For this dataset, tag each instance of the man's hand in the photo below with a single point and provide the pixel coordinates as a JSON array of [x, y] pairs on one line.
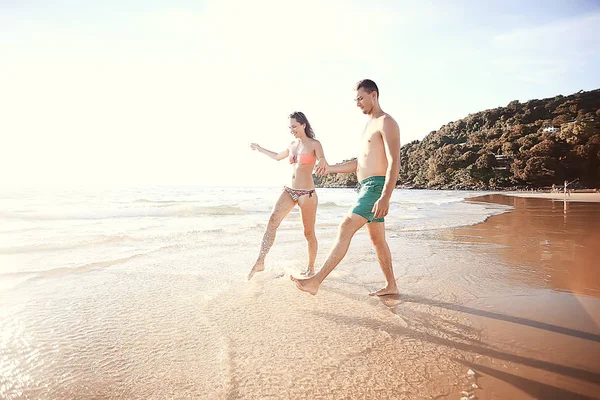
[[381, 207], [322, 167]]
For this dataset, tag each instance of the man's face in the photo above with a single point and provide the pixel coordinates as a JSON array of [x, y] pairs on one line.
[[364, 100]]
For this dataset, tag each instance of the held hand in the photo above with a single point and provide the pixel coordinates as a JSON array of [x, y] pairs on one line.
[[321, 168], [255, 146], [381, 208]]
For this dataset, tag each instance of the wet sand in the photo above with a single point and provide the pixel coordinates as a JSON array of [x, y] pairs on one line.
[[575, 196], [545, 335]]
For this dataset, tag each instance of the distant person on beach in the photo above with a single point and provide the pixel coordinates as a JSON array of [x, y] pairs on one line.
[[567, 190], [377, 169], [302, 154]]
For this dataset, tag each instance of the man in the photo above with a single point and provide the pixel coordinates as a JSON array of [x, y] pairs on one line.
[[377, 169]]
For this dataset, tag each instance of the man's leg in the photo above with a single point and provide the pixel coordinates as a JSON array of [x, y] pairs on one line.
[[283, 206], [377, 234], [346, 231]]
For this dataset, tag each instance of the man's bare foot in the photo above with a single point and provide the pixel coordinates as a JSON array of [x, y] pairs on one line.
[[306, 285], [386, 291], [308, 272], [258, 267]]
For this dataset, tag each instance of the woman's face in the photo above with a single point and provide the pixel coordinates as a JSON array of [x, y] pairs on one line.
[[296, 128]]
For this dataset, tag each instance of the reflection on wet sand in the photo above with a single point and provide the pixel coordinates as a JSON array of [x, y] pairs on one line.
[[550, 243], [550, 250]]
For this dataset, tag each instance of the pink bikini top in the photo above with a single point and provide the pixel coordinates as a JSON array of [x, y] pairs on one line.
[[302, 159]]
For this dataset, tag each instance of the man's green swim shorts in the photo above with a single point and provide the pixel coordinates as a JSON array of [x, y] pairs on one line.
[[369, 192]]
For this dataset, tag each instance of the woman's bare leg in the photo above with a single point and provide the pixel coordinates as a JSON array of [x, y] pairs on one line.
[[282, 208], [308, 210]]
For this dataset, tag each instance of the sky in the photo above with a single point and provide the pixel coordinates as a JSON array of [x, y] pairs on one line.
[[143, 92]]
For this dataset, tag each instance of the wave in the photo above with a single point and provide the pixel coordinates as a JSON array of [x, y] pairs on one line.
[[61, 271], [122, 239], [424, 201], [159, 201], [432, 222], [219, 231], [94, 266], [330, 204], [169, 211], [41, 248]]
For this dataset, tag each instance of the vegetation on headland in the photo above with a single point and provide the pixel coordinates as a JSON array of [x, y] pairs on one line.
[[523, 145]]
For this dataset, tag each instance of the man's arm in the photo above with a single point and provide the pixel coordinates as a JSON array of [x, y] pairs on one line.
[[342, 168], [390, 133], [275, 156]]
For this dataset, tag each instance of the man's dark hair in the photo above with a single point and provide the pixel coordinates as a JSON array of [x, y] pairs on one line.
[[368, 85]]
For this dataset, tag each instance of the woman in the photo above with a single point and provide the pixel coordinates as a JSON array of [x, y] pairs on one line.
[[302, 154]]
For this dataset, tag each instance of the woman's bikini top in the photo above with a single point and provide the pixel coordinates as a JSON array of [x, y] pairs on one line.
[[302, 159]]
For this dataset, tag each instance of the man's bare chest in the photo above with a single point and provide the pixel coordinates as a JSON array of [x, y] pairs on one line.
[[370, 137]]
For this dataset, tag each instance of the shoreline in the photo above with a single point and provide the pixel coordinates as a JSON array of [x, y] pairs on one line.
[[574, 196], [590, 194]]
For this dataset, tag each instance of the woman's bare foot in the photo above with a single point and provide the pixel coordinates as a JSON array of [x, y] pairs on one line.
[[386, 291], [258, 267], [308, 272], [306, 285]]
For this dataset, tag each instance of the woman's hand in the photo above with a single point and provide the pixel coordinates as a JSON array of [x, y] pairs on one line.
[[255, 146]]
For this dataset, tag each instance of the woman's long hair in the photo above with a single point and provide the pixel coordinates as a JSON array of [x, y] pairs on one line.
[[301, 118]]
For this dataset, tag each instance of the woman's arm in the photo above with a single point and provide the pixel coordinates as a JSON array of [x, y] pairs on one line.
[[322, 165], [275, 156]]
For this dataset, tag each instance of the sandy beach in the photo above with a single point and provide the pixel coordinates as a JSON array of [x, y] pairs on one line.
[[147, 299]]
